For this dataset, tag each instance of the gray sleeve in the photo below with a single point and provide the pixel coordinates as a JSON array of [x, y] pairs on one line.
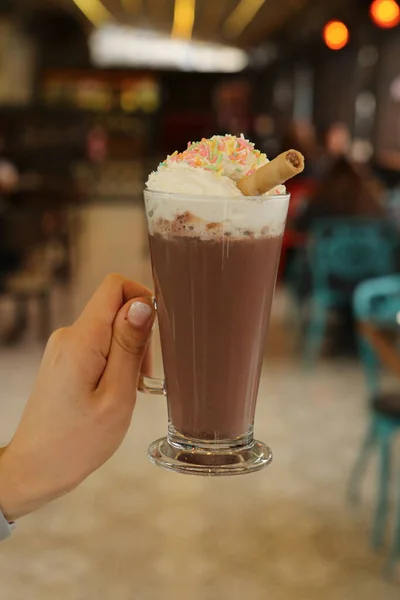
[[5, 527]]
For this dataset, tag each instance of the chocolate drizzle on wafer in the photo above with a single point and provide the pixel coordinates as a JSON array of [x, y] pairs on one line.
[[274, 173], [293, 158]]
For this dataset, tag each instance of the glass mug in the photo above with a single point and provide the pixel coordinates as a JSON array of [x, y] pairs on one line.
[[214, 262]]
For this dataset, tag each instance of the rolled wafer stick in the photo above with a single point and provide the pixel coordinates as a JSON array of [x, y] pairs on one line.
[[277, 171]]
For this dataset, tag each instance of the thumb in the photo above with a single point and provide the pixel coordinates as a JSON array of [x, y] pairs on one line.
[[131, 333]]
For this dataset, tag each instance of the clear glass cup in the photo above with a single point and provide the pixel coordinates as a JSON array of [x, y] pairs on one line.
[[214, 262]]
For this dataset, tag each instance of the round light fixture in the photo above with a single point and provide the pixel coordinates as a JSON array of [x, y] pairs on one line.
[[385, 13], [336, 35]]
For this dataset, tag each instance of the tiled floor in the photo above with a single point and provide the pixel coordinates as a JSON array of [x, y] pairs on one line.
[[134, 532]]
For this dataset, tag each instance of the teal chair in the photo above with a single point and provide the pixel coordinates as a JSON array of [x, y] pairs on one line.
[[341, 254], [377, 301], [393, 205]]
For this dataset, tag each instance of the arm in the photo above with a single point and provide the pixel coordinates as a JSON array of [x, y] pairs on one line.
[[83, 399]]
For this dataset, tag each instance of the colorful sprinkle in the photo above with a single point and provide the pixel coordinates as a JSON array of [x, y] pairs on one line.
[[218, 153]]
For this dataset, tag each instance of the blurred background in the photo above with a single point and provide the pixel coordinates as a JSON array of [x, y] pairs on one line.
[[93, 93]]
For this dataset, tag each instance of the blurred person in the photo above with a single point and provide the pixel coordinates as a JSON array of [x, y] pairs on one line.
[[338, 140], [82, 402], [346, 190], [337, 145], [232, 109], [265, 138]]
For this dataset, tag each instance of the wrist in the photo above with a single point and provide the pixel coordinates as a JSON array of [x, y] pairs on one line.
[[22, 488], [18, 494], [11, 502]]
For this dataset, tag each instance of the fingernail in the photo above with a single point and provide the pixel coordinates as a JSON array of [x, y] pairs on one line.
[[139, 313]]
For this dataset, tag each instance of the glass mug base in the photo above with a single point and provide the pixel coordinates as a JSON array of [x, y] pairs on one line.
[[190, 459]]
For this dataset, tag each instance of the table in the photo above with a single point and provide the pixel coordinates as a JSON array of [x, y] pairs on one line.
[[383, 340]]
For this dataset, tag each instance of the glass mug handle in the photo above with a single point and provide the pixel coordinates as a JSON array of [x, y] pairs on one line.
[[151, 385]]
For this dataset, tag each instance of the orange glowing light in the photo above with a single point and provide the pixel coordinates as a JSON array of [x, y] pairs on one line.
[[385, 13], [336, 35]]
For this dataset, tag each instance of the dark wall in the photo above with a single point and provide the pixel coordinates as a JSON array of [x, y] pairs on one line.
[[335, 87], [188, 111], [190, 91], [61, 38], [388, 97]]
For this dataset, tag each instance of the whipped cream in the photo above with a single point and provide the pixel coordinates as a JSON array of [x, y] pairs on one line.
[[209, 168], [181, 178], [192, 183]]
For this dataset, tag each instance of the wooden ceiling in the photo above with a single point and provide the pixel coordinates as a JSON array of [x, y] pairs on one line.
[[212, 17]]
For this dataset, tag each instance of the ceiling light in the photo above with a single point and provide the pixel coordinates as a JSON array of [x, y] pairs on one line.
[[336, 35], [117, 45], [385, 13], [184, 19], [94, 11]]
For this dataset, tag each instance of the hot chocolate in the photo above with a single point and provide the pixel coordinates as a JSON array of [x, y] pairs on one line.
[[214, 298]]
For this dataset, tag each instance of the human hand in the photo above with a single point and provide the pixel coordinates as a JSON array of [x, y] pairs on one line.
[[82, 402]]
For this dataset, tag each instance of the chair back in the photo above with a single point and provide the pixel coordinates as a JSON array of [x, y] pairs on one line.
[[376, 301], [344, 252]]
